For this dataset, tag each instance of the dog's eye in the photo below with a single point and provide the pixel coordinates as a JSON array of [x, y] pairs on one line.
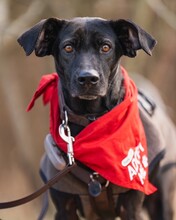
[[68, 48], [105, 48]]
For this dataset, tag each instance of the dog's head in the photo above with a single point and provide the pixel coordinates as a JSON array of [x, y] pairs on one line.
[[86, 50]]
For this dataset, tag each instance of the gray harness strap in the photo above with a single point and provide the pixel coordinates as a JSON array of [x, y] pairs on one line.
[[155, 141]]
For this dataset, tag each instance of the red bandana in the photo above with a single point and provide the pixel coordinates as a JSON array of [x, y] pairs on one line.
[[114, 145]]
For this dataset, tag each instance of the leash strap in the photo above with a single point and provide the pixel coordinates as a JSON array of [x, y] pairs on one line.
[[104, 204], [44, 188]]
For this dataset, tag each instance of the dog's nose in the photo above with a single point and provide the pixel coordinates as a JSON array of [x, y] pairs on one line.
[[88, 77]]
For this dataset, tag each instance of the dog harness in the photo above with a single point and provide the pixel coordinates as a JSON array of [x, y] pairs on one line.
[[114, 145]]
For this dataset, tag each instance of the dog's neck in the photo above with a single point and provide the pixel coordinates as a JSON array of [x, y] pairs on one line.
[[113, 97]]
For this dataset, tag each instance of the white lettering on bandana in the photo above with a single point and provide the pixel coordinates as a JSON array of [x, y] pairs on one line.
[[136, 163]]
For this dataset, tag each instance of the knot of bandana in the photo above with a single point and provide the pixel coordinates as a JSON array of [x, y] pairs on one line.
[[114, 145]]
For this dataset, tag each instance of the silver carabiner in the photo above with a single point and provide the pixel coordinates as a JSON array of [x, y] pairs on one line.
[[65, 134]]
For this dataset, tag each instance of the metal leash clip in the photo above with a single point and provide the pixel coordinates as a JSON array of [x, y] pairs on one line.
[[65, 134]]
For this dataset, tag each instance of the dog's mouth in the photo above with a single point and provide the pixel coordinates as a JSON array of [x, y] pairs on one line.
[[83, 95], [88, 97], [86, 93]]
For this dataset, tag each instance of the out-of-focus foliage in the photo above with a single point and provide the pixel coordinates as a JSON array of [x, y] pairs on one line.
[[21, 133]]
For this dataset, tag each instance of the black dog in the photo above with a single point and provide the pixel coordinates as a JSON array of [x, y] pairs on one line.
[[87, 54]]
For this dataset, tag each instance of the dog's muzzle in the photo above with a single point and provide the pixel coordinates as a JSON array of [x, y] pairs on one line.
[[87, 85], [88, 81]]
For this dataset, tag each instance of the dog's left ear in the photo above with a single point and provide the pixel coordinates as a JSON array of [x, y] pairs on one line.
[[132, 37], [41, 37]]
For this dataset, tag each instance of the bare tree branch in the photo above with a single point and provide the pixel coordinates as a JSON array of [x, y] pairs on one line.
[[162, 11], [4, 12], [22, 22]]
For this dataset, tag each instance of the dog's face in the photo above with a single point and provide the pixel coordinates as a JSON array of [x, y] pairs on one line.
[[86, 51], [86, 54]]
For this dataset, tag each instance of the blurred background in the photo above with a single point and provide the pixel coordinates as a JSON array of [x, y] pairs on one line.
[[21, 133]]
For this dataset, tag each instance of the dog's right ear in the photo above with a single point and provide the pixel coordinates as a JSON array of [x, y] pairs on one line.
[[132, 37], [41, 37]]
